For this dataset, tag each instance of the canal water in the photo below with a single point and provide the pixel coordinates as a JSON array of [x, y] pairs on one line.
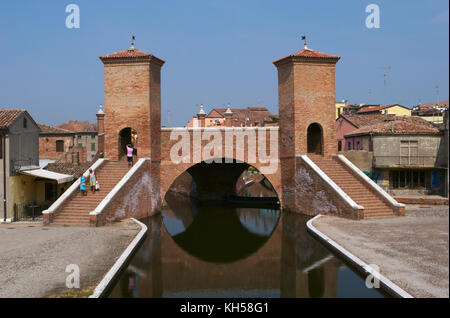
[[217, 250]]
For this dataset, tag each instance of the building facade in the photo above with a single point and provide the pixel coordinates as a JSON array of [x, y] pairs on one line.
[[23, 183], [405, 152]]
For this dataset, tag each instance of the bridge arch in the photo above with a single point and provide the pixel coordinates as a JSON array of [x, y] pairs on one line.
[[214, 179]]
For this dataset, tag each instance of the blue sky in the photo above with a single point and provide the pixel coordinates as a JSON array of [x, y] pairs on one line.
[[218, 51]]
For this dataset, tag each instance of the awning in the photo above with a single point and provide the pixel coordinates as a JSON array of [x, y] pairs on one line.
[[45, 174]]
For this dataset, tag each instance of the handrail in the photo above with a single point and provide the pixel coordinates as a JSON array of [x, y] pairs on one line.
[[110, 196], [375, 186], [73, 188], [331, 183]]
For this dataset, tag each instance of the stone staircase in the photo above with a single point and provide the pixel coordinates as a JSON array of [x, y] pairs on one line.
[[359, 191], [76, 211]]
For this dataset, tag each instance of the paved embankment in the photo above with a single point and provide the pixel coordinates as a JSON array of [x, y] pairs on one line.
[[412, 251], [33, 258]]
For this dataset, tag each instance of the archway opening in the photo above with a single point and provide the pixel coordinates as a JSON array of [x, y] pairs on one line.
[[127, 136], [212, 211], [315, 139]]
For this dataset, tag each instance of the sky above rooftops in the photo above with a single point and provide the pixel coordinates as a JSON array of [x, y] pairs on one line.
[[218, 52]]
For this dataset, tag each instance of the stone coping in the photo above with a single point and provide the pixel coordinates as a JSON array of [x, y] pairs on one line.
[[331, 183], [73, 188], [388, 285], [106, 283]]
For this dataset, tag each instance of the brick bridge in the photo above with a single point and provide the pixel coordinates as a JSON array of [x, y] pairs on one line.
[[309, 177]]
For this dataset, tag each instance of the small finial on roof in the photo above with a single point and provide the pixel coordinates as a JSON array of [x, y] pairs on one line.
[[201, 111], [100, 110], [133, 38], [228, 111], [305, 46]]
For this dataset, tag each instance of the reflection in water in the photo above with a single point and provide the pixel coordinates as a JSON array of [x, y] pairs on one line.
[[234, 252]]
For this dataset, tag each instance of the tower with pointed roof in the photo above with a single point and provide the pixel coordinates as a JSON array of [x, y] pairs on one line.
[[306, 105], [306, 96], [132, 103]]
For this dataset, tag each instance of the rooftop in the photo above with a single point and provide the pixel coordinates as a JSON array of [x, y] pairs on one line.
[[9, 116], [398, 125], [307, 53], [365, 120], [46, 129]]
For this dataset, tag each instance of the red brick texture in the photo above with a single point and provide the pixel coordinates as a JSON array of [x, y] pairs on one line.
[[314, 196], [133, 99], [306, 95], [132, 200]]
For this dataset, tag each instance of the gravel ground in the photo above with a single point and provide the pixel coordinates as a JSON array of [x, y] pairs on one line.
[[411, 251], [33, 258]]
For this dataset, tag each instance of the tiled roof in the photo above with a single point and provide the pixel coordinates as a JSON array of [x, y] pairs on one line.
[[131, 55], [398, 125], [254, 114], [46, 129], [9, 116], [79, 126], [75, 170], [437, 104], [370, 109], [364, 120], [126, 53], [308, 53]]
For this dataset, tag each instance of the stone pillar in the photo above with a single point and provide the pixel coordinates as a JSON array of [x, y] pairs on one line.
[[201, 117], [101, 131], [228, 118], [306, 96]]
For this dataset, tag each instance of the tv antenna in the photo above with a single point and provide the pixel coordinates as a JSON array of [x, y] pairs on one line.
[[437, 93]]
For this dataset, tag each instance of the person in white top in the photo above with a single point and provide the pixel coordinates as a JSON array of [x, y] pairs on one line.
[[92, 180]]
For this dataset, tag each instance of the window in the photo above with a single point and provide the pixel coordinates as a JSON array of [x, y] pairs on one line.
[[349, 146], [60, 146], [339, 145], [358, 146], [93, 147], [25, 122], [410, 179], [50, 191], [409, 152]]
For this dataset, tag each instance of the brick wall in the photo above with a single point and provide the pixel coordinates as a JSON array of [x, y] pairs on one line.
[[134, 199], [314, 196], [47, 147], [132, 99]]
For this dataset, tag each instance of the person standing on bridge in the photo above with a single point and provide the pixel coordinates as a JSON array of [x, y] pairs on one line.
[[92, 180], [129, 155]]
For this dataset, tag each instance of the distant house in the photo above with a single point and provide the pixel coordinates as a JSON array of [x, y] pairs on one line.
[[432, 112], [345, 124], [86, 136], [394, 109], [242, 117], [405, 152], [24, 184]]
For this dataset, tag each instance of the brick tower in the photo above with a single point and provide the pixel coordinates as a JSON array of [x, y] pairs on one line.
[[306, 105], [132, 103]]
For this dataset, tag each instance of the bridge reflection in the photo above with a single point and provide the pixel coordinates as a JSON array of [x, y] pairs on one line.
[[286, 262]]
